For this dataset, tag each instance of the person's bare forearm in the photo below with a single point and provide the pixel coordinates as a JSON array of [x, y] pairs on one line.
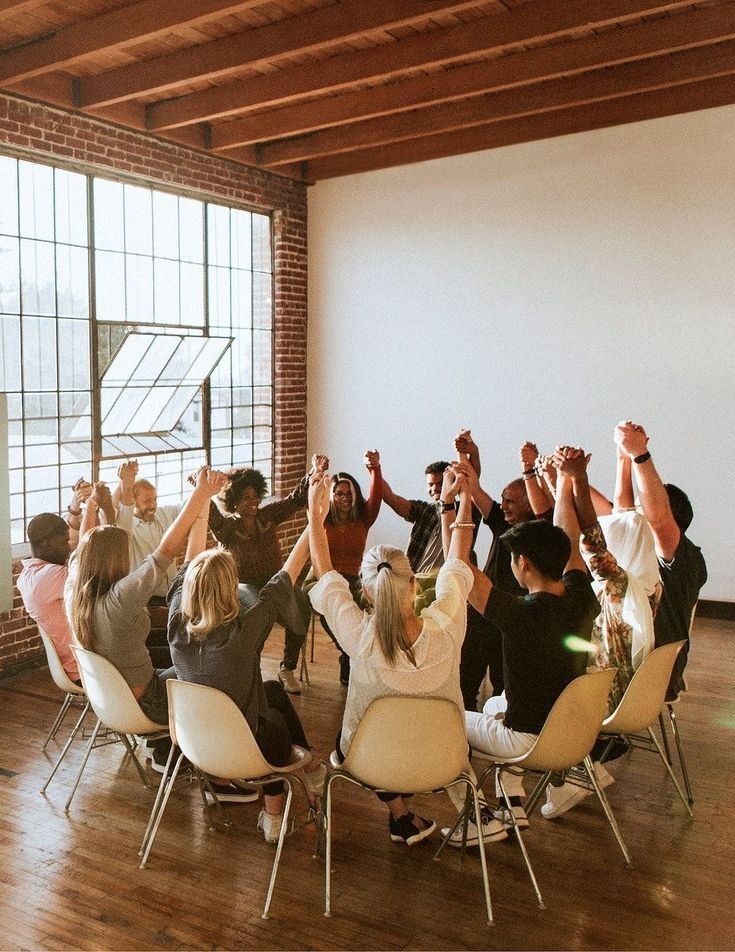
[[297, 557], [537, 497], [585, 510], [197, 541], [397, 503], [565, 517], [624, 497]]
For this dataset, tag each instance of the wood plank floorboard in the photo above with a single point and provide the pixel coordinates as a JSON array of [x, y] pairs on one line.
[[73, 882]]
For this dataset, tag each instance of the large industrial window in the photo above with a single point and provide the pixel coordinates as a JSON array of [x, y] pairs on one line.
[[133, 323]]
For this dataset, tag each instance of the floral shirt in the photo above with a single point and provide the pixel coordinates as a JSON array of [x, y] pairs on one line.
[[611, 634]]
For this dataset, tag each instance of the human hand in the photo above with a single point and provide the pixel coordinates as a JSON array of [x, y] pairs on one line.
[[81, 491], [127, 471], [210, 481], [469, 472], [319, 497], [99, 494], [545, 463], [463, 442], [319, 463], [631, 437], [372, 460], [571, 461], [528, 453], [453, 482]]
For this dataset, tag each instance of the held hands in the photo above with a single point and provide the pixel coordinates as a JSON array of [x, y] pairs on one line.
[[463, 442], [528, 454], [631, 438], [210, 481], [319, 463], [571, 461], [469, 472], [127, 472], [100, 496], [82, 490], [372, 460], [454, 482], [318, 497]]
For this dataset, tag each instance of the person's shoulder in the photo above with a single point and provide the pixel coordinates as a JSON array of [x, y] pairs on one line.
[[577, 581]]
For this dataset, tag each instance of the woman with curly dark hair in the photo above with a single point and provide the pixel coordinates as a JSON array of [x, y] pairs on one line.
[[248, 530]]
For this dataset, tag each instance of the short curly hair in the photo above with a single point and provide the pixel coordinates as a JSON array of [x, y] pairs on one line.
[[240, 480]]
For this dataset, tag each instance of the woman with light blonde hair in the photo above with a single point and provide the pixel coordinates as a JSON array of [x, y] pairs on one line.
[[216, 635], [391, 650], [106, 602]]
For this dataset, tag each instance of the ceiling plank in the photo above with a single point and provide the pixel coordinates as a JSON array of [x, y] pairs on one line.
[[669, 34], [310, 31], [12, 7], [113, 30], [628, 79], [521, 25], [651, 105]]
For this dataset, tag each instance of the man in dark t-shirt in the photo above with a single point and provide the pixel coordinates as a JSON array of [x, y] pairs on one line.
[[683, 569], [542, 633]]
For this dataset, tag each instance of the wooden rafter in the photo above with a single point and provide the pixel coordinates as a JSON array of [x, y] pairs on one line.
[[625, 80], [13, 7], [517, 27], [310, 31], [657, 37], [650, 105], [113, 30]]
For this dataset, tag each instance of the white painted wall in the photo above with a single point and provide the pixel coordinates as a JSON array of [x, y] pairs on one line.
[[543, 291]]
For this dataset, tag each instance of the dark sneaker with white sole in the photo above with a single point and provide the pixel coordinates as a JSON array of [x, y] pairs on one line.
[[231, 793], [410, 829], [492, 830]]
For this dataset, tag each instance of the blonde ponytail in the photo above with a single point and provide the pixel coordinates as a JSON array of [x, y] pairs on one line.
[[386, 578]]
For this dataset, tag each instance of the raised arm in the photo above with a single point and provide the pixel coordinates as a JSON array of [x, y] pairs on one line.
[[80, 493], [457, 526], [468, 450], [397, 503], [482, 500], [321, 561], [632, 439], [624, 496], [297, 556], [565, 513], [375, 491], [208, 483], [90, 508], [535, 488], [197, 541], [573, 465]]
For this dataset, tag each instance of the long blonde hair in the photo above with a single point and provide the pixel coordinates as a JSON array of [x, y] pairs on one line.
[[386, 579], [103, 559], [209, 593]]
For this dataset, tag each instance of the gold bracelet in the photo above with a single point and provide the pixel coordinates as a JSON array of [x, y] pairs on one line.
[[462, 525]]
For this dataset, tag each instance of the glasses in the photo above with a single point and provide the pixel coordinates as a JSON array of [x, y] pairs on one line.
[[341, 495]]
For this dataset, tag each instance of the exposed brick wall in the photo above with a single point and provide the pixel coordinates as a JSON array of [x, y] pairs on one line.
[[29, 129]]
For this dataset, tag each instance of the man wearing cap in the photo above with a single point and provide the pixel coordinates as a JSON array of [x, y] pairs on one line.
[[41, 584]]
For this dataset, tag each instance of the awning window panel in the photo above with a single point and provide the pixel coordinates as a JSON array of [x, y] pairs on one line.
[[155, 401], [174, 409], [119, 407]]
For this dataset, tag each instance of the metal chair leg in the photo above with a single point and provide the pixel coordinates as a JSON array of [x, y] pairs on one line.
[[159, 796], [328, 846], [462, 817], [532, 801], [680, 751], [67, 745], [313, 627], [527, 861], [59, 718], [128, 747], [671, 773], [471, 789], [87, 752], [281, 838], [664, 736], [304, 668], [592, 776], [161, 811]]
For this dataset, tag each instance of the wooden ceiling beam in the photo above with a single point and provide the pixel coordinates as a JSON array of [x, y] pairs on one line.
[[650, 105], [108, 31], [628, 79], [665, 35], [12, 7], [519, 26], [309, 31]]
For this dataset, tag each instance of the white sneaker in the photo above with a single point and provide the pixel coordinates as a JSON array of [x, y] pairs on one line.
[[288, 679], [270, 824], [492, 830], [315, 780], [560, 800]]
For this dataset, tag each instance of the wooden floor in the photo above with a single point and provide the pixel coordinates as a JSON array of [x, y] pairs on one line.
[[73, 882]]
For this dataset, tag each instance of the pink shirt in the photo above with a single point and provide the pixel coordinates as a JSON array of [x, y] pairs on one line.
[[41, 585]]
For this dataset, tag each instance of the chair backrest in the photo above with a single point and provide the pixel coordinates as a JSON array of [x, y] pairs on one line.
[[644, 697], [60, 677], [212, 732], [573, 724], [110, 696], [408, 744]]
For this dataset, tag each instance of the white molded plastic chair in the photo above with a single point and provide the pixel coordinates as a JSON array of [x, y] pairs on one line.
[[411, 745], [115, 706], [210, 730], [641, 705], [566, 739], [73, 694]]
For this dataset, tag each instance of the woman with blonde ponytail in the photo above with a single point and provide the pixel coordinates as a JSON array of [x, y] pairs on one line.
[[391, 650]]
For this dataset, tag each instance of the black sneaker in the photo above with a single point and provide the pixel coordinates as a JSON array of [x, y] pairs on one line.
[[410, 829], [231, 793], [344, 669]]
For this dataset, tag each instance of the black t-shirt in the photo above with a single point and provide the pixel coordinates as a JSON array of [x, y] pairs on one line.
[[682, 579], [497, 567], [538, 662]]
